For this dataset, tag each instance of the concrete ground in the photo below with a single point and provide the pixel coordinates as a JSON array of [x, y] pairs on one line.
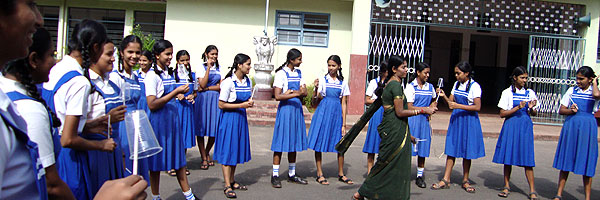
[[485, 175]]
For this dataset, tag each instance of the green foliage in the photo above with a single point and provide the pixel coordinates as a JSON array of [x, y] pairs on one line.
[[147, 39], [307, 100]]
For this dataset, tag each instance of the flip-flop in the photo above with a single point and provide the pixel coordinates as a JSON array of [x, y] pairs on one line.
[[229, 193], [204, 165], [239, 186], [469, 189], [322, 181], [534, 198], [346, 181], [503, 193], [172, 172]]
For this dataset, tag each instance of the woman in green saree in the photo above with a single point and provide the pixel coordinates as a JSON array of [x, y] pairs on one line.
[[390, 176]]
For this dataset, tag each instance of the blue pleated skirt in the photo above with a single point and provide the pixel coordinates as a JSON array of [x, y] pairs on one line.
[[289, 134], [128, 164], [464, 138], [187, 124], [372, 141], [207, 113], [421, 130], [165, 123], [74, 171], [326, 126], [577, 149], [232, 142], [515, 143]]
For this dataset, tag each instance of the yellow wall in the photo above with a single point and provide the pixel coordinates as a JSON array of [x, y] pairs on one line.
[[232, 24]]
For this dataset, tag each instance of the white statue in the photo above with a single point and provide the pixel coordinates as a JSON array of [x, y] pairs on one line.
[[265, 48]]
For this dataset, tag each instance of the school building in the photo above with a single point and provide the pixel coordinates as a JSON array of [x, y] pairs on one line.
[[551, 38]]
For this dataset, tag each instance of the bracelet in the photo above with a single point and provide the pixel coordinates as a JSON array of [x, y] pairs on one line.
[[416, 112], [422, 111]]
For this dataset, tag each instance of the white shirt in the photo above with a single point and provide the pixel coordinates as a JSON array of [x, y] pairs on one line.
[[115, 77], [474, 91], [321, 89], [227, 93], [97, 107], [506, 99], [200, 71], [371, 89], [38, 122], [71, 98], [281, 80], [154, 83], [566, 98], [409, 91], [184, 75], [17, 180]]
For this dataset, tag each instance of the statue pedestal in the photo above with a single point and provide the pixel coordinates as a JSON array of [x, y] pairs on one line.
[[263, 80]]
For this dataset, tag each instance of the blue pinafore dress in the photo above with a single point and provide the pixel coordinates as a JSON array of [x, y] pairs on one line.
[[372, 140], [165, 123], [289, 134], [32, 148], [577, 149], [326, 124], [464, 138], [232, 142], [515, 143], [186, 113], [137, 94], [419, 124], [73, 164], [207, 107], [16, 96], [143, 103], [105, 165]]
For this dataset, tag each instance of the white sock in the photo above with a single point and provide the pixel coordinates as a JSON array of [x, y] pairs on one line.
[[156, 197], [188, 195], [276, 170], [420, 171], [292, 169]]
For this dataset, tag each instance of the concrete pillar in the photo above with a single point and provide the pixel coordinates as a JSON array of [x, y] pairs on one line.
[[361, 24], [502, 53], [129, 22], [466, 46], [63, 30]]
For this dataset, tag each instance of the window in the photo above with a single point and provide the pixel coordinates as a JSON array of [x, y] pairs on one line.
[[151, 23], [307, 29], [113, 21], [50, 16]]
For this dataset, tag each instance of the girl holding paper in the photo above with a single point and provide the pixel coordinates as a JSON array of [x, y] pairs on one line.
[[420, 95], [577, 149]]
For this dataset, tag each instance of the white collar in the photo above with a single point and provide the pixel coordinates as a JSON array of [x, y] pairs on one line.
[[287, 69], [234, 78], [18, 87], [416, 83], [329, 78], [72, 63]]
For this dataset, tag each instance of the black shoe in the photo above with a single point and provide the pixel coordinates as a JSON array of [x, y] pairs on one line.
[[296, 179], [275, 182], [420, 182]]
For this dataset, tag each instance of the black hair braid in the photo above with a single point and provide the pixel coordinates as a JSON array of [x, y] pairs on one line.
[[85, 55], [381, 85], [170, 71], [281, 67], [120, 66], [176, 73], [339, 74], [155, 66], [189, 70], [230, 73]]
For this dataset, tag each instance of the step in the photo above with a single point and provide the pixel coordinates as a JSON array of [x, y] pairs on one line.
[[271, 113], [271, 122]]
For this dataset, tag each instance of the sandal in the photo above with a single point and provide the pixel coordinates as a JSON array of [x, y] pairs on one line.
[[536, 196], [211, 163], [204, 165], [239, 186], [322, 181], [438, 186], [505, 192], [357, 198], [172, 172], [229, 193], [346, 181], [557, 197], [187, 172], [469, 189]]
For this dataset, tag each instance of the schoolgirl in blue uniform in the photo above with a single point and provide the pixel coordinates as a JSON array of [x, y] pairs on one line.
[[372, 140], [515, 143], [420, 95], [289, 134], [464, 138], [185, 102], [127, 80], [577, 149], [232, 142], [161, 92], [19, 82], [145, 63], [105, 100], [66, 93], [328, 122], [207, 105]]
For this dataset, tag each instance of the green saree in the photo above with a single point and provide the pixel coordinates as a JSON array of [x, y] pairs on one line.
[[390, 176]]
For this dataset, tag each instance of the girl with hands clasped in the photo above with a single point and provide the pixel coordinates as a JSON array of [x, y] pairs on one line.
[[515, 143], [464, 138], [329, 120], [161, 91], [207, 105], [232, 142], [577, 149]]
